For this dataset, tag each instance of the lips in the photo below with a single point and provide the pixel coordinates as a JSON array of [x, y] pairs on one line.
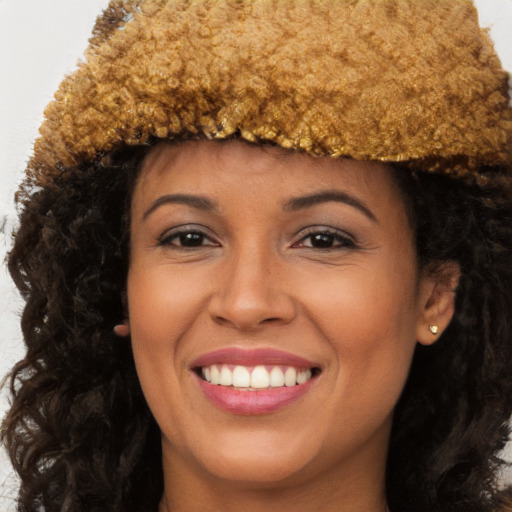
[[254, 357], [255, 381]]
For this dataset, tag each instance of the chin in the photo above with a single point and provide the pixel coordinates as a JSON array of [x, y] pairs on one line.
[[255, 457]]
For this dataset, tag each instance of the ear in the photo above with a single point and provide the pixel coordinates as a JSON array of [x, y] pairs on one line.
[[123, 329], [436, 300]]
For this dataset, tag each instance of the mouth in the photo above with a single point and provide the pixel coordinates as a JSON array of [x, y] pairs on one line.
[[257, 381], [253, 378]]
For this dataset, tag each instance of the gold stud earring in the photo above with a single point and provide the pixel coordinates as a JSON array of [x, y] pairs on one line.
[[433, 329]]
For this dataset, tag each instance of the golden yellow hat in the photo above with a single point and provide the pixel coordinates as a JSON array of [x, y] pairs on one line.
[[386, 80]]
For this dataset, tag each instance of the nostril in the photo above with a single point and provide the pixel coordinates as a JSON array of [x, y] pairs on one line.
[[245, 322], [248, 312], [221, 320]]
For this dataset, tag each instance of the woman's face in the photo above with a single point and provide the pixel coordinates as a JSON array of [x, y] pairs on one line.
[[268, 268]]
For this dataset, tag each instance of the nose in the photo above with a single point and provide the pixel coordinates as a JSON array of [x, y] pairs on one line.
[[251, 292]]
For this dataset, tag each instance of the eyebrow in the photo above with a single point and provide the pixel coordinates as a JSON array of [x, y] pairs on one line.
[[198, 202], [326, 196]]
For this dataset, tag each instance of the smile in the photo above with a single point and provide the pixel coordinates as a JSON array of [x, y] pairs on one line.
[[257, 377], [254, 381]]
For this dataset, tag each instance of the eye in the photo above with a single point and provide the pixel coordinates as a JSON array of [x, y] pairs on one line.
[[316, 238], [186, 238]]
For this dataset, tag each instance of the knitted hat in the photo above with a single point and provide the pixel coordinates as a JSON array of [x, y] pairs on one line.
[[386, 80]]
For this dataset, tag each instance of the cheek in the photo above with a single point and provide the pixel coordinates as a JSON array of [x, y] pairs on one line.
[[162, 305], [367, 302], [369, 320], [161, 311]]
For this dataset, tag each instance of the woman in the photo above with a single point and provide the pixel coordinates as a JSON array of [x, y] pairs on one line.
[[265, 251]]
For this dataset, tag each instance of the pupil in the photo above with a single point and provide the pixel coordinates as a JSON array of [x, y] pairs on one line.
[[191, 239], [322, 240]]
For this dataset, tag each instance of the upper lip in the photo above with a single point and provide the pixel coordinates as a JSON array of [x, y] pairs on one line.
[[252, 357]]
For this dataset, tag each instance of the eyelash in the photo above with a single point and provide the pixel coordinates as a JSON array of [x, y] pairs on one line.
[[175, 234], [342, 240]]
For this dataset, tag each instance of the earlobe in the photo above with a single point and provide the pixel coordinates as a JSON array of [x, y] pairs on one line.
[[437, 301], [123, 329]]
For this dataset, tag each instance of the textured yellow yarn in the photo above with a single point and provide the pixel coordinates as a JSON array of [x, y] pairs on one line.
[[388, 80]]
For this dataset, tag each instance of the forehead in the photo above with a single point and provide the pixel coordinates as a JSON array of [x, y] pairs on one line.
[[208, 163], [243, 180]]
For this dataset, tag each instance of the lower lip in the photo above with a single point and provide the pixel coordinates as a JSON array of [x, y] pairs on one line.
[[237, 401]]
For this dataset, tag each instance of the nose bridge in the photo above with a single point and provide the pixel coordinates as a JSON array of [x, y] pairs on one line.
[[251, 288]]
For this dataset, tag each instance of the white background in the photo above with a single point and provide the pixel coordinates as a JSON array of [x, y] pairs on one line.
[[40, 41]]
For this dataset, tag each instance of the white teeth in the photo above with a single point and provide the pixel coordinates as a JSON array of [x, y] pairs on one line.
[[259, 378], [226, 376], [303, 376], [241, 377], [214, 372], [276, 377], [290, 377]]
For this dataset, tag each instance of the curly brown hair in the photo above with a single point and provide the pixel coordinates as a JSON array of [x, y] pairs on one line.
[[79, 432]]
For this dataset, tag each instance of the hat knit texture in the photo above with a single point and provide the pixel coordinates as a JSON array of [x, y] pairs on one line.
[[386, 80]]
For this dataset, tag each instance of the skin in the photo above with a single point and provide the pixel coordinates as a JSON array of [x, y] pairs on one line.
[[259, 279]]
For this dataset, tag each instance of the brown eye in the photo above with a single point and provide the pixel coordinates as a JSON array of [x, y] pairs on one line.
[[190, 239], [187, 239], [322, 240], [325, 239]]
